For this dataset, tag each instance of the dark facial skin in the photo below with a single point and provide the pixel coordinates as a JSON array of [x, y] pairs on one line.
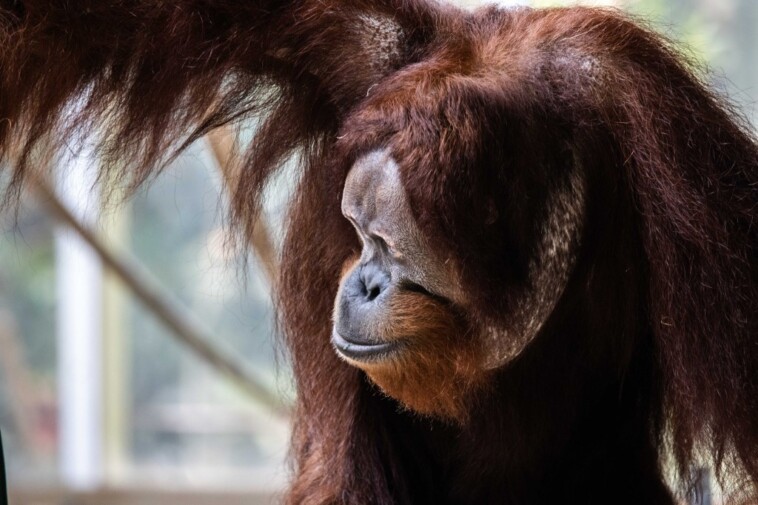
[[394, 258], [398, 313]]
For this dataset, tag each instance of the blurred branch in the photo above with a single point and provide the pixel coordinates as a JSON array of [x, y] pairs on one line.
[[222, 143], [184, 325]]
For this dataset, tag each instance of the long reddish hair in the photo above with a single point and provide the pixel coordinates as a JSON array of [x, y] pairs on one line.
[[674, 173]]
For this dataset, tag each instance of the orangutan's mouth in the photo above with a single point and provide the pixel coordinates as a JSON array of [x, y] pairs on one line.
[[364, 351]]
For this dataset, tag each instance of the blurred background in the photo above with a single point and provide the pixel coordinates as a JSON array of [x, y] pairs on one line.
[[152, 375]]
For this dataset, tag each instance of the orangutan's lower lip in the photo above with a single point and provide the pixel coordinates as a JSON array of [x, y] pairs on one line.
[[361, 351]]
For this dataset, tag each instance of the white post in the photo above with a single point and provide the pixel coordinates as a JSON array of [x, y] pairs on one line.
[[78, 323]]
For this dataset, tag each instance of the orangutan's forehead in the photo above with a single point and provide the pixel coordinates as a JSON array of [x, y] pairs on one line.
[[373, 189]]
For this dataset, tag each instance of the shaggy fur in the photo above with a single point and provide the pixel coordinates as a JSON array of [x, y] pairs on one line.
[[652, 348]]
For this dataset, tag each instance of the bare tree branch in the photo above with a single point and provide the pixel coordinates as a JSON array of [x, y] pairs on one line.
[[184, 325]]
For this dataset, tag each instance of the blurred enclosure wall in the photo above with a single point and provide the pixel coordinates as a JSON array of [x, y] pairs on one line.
[[102, 402]]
